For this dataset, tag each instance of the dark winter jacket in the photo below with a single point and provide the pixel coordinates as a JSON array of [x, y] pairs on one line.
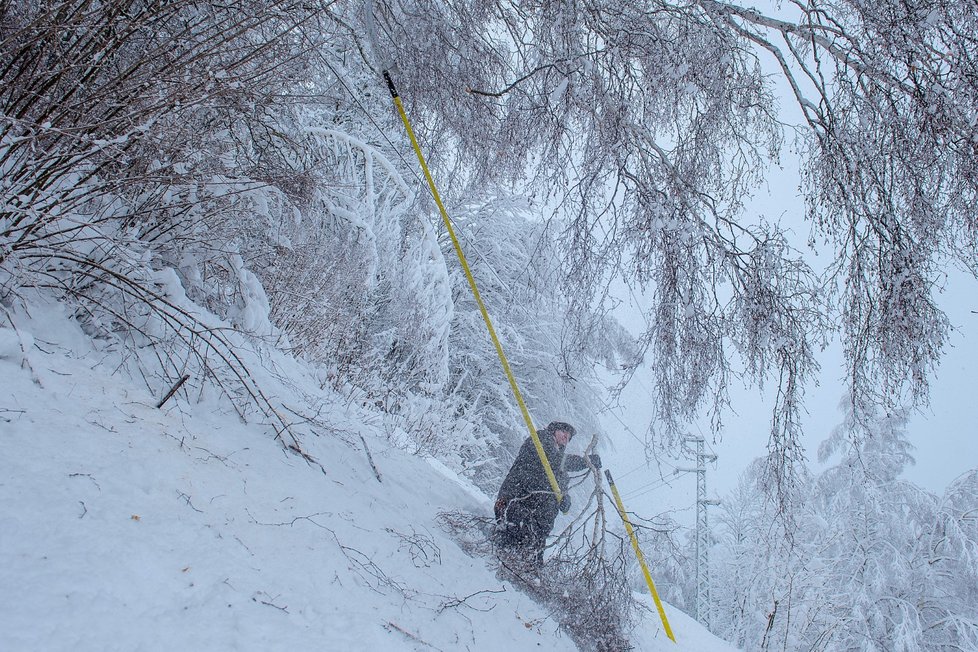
[[526, 500]]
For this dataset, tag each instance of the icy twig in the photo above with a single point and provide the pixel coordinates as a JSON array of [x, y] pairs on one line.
[[392, 625], [370, 459]]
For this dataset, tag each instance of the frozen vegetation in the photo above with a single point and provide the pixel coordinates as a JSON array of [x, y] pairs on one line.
[[247, 400]]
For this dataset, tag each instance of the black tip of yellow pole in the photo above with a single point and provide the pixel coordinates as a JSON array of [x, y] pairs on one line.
[[607, 474], [390, 84]]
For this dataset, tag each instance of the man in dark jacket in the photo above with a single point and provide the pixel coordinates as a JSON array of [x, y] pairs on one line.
[[526, 506]]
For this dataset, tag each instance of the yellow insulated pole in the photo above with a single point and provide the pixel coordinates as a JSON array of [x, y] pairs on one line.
[[640, 556], [475, 290]]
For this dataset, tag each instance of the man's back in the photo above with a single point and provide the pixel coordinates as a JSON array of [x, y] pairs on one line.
[[527, 476]]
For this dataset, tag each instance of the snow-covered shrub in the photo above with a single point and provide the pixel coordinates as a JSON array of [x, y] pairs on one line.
[[125, 138]]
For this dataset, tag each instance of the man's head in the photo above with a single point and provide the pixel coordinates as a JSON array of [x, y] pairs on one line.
[[561, 431]]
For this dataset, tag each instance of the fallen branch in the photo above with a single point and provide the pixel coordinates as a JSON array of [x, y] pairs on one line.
[[173, 390], [458, 602], [269, 602], [413, 637], [25, 358], [370, 459]]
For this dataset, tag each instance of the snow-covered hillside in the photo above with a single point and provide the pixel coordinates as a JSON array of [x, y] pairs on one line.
[[127, 527]]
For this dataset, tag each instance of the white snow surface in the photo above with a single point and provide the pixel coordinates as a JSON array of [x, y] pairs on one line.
[[127, 527]]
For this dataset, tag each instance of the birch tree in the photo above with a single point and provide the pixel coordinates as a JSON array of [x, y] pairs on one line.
[[643, 126]]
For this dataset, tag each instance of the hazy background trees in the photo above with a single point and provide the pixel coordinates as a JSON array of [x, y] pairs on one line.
[[873, 563]]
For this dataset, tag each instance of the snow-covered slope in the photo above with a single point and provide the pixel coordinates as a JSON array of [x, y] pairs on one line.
[[127, 527]]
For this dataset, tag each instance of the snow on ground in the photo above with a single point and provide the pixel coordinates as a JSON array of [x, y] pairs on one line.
[[127, 527]]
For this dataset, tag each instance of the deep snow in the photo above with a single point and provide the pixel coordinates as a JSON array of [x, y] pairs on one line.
[[127, 527]]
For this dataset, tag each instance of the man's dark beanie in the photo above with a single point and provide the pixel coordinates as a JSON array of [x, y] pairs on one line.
[[561, 425]]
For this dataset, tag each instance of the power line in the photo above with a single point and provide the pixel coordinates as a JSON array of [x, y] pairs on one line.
[[646, 488], [645, 446]]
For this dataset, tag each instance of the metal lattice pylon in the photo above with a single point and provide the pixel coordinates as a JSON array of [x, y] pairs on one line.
[[702, 613]]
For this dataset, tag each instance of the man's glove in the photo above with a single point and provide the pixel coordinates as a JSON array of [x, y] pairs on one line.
[[595, 460], [564, 503]]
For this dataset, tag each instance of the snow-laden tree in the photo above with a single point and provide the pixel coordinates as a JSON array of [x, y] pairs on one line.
[[953, 551], [877, 579], [874, 563], [517, 267], [765, 585], [647, 124], [899, 563]]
